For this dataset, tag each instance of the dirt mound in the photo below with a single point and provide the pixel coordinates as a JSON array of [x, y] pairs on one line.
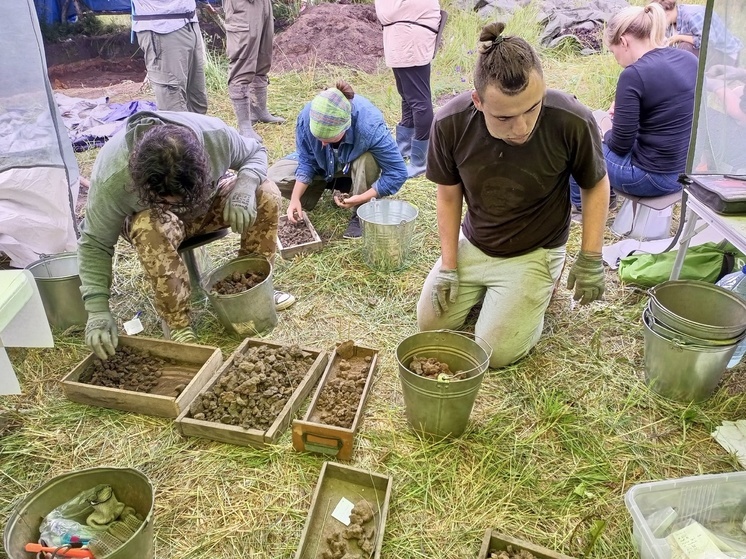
[[331, 34]]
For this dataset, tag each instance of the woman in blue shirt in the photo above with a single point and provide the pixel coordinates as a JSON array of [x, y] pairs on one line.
[[646, 147], [342, 143]]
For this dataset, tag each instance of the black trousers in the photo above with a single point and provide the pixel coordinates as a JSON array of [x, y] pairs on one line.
[[413, 84]]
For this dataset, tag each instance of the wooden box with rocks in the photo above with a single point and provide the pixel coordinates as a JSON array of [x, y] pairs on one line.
[[334, 415], [348, 514], [145, 375], [300, 238], [499, 546], [251, 400]]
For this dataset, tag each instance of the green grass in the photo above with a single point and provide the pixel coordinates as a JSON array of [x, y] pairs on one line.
[[554, 443]]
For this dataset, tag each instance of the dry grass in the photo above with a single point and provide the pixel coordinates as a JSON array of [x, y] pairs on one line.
[[555, 440]]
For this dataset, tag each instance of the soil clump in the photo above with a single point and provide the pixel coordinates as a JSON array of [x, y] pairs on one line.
[[292, 234], [331, 34], [511, 553], [253, 391], [340, 398], [128, 369], [430, 367], [360, 534], [238, 282]]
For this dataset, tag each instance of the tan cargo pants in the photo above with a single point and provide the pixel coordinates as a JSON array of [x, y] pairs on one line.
[[249, 32]]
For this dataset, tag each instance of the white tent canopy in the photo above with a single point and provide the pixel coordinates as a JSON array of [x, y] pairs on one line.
[[39, 177]]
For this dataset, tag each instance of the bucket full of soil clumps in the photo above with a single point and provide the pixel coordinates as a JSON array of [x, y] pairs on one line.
[[440, 373], [242, 295], [121, 513], [388, 226]]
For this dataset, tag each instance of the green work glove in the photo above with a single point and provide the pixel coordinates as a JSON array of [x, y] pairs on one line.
[[445, 290], [240, 208], [587, 277], [101, 333]]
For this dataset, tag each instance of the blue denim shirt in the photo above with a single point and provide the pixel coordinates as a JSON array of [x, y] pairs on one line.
[[368, 133]]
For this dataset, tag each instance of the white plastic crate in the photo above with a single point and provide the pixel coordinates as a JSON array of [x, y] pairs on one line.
[[717, 501]]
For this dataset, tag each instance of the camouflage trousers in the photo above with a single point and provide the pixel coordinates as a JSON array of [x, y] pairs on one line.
[[156, 236]]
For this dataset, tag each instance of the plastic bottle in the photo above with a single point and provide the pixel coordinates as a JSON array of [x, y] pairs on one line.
[[736, 282]]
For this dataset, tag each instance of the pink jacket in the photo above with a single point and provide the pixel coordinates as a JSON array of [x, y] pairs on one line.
[[404, 44]]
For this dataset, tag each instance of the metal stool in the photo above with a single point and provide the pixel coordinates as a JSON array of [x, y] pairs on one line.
[[645, 218], [196, 259]]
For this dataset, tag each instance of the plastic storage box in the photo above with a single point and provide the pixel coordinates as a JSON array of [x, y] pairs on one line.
[[659, 508]]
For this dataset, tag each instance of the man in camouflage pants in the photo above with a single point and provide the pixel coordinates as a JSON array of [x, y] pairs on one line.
[[158, 182]]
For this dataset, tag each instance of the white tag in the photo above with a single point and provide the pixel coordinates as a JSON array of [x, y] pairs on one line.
[[342, 511], [132, 327]]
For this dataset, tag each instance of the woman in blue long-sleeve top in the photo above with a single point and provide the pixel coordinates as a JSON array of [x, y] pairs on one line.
[[342, 143], [646, 147]]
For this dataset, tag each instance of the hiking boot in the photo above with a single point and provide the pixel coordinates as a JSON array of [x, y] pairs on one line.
[[283, 300], [353, 230]]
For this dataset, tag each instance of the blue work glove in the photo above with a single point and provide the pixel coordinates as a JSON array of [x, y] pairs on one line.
[[240, 208], [101, 333], [587, 277], [445, 290]]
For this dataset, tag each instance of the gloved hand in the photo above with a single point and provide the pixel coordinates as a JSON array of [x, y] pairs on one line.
[[101, 333], [240, 208], [445, 290], [587, 277]]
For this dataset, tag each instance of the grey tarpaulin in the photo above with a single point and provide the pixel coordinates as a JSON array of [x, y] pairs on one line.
[[562, 19]]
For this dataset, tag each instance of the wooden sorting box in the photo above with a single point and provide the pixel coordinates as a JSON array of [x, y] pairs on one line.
[[337, 481], [494, 540], [193, 366], [233, 434], [311, 435], [304, 248]]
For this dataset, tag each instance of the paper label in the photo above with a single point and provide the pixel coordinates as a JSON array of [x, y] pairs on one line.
[[342, 511], [132, 327]]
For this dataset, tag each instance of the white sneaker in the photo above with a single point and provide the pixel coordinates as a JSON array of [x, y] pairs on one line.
[[283, 300]]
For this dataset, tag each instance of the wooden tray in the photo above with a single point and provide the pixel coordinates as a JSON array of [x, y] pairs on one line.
[[304, 248], [494, 540], [311, 435], [335, 482], [194, 366], [234, 434]]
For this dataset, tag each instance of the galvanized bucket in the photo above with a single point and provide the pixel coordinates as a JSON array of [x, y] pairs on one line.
[[680, 337], [388, 227], [250, 312], [440, 408], [59, 287], [699, 309], [682, 372], [130, 487]]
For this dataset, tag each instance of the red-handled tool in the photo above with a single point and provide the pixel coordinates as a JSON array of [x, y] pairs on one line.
[[62, 551]]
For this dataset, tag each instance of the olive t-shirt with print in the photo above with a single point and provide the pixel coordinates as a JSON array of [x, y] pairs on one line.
[[518, 197]]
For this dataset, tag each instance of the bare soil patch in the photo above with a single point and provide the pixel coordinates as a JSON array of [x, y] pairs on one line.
[[238, 283], [331, 34], [97, 73], [253, 391]]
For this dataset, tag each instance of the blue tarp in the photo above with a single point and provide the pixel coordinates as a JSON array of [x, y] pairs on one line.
[[50, 11]]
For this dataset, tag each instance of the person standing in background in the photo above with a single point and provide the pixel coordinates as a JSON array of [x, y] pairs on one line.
[[410, 30], [169, 35], [249, 32]]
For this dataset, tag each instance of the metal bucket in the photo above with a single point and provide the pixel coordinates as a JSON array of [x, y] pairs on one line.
[[686, 373], [250, 312], [388, 227], [441, 408], [57, 278], [130, 487], [699, 309], [681, 338]]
